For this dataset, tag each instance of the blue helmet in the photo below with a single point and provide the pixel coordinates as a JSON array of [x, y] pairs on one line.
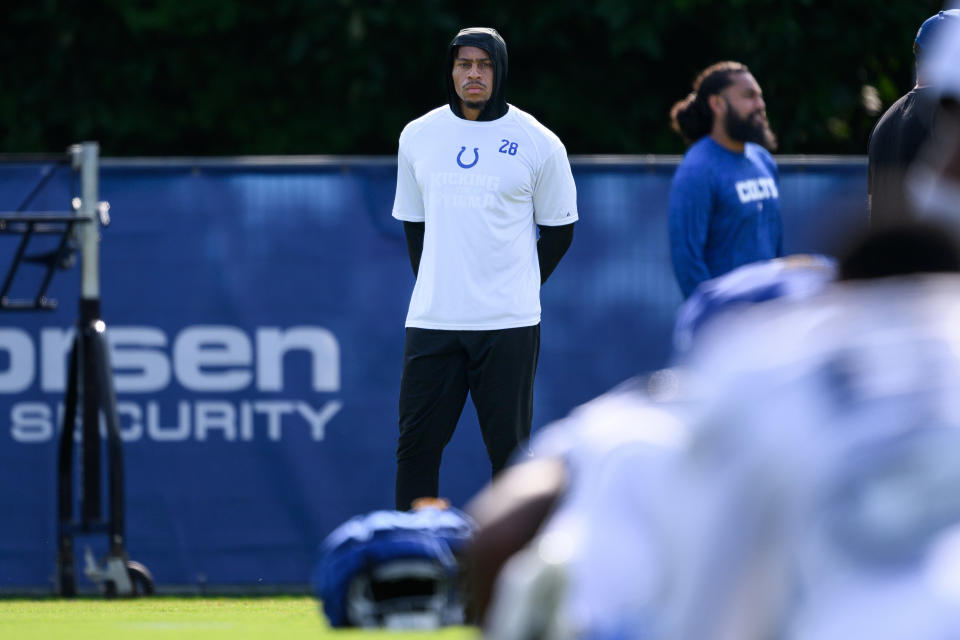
[[394, 569]]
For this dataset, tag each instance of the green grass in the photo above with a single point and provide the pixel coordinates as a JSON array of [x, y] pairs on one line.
[[160, 618]]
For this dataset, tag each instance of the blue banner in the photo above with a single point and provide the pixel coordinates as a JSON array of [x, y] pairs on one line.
[[255, 312]]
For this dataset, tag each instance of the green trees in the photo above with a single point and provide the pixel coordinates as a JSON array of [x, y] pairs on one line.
[[215, 77]]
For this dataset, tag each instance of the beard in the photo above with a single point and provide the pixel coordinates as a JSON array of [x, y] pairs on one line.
[[747, 130]]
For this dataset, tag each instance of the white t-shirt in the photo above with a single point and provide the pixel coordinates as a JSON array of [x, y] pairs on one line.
[[801, 485], [481, 188], [817, 440]]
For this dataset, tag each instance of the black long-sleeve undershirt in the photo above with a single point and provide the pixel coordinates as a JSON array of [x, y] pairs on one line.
[[553, 243], [414, 233]]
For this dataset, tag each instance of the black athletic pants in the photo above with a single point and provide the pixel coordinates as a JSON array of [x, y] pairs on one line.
[[439, 367]]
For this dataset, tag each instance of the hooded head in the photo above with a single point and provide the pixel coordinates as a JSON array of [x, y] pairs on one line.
[[491, 42], [930, 31]]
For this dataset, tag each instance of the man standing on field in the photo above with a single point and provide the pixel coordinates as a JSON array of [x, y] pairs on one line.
[[476, 179], [725, 195]]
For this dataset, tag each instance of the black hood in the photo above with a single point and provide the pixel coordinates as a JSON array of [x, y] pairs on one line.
[[491, 42]]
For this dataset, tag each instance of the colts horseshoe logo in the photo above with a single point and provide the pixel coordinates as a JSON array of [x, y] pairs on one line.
[[476, 157]]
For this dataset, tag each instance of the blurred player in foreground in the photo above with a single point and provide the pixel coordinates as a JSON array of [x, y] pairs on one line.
[[818, 484], [537, 506], [643, 421], [694, 506], [646, 414]]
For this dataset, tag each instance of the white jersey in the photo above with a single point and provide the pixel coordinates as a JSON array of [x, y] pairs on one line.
[[795, 277], [594, 568], [831, 455], [481, 187], [810, 493]]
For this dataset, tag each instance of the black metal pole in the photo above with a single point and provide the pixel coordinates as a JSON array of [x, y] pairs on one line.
[[66, 558], [90, 444]]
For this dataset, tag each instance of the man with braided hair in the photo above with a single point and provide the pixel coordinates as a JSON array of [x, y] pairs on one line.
[[724, 199]]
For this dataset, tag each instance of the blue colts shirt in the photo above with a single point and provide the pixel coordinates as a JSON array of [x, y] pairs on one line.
[[724, 211]]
